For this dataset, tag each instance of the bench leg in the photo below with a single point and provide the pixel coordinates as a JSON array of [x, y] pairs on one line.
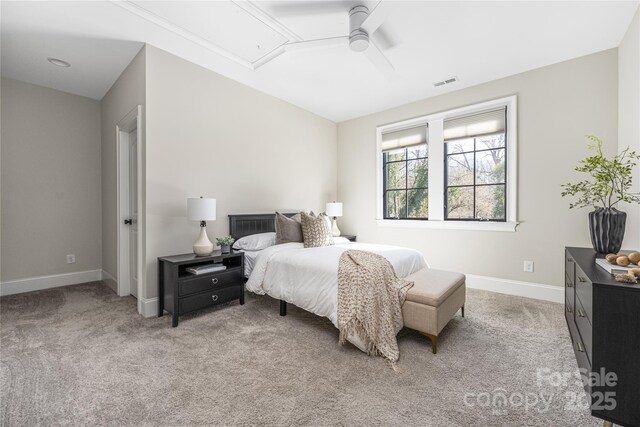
[[283, 308], [434, 341], [463, 311]]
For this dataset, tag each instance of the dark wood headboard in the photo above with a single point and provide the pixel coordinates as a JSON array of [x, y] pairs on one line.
[[247, 224]]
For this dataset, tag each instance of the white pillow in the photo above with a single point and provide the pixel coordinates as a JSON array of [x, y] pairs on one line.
[[340, 240], [255, 242]]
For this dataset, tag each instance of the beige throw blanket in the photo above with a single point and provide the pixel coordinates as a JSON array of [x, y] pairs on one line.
[[370, 299]]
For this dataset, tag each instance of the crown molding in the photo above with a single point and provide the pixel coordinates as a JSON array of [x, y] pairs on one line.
[[186, 34], [246, 5]]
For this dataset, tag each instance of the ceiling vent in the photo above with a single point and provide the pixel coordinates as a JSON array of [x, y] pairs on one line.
[[446, 81]]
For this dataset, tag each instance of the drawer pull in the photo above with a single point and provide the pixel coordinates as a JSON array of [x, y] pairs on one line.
[[214, 280], [569, 260], [214, 297], [569, 309], [579, 345], [569, 285], [581, 279], [580, 313]]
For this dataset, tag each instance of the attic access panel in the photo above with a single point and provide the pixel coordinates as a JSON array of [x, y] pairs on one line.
[[223, 24]]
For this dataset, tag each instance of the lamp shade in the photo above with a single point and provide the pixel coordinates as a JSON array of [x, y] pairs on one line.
[[201, 209], [334, 209]]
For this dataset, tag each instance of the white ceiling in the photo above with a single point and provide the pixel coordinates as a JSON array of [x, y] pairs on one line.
[[426, 41]]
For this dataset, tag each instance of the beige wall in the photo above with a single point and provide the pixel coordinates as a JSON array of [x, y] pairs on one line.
[[211, 136], [557, 105], [125, 95], [629, 118], [49, 211]]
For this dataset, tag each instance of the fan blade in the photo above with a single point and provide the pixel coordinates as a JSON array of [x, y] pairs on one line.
[[384, 38], [377, 17], [375, 55], [317, 44]]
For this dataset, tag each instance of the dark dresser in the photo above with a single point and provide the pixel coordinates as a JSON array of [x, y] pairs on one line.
[[181, 292], [603, 317]]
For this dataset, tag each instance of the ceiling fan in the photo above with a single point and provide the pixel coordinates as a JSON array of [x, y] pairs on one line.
[[362, 25]]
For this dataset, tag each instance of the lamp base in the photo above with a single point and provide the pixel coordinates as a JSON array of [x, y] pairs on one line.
[[203, 246], [334, 229]]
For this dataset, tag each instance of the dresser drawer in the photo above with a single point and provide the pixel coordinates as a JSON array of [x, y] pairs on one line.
[[208, 299], [569, 266], [569, 289], [193, 285], [584, 291], [569, 310], [584, 327], [578, 349]]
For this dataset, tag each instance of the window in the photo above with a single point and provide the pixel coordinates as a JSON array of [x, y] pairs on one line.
[[475, 158], [406, 174], [455, 169]]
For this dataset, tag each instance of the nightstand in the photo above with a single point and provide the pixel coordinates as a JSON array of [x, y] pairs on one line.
[[351, 238], [181, 292]]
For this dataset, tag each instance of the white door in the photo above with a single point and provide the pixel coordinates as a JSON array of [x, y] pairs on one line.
[[133, 212]]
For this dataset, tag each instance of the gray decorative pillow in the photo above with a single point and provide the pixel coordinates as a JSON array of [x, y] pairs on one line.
[[316, 230], [288, 229]]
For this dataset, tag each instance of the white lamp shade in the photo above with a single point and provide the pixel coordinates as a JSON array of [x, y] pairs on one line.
[[334, 209], [201, 209]]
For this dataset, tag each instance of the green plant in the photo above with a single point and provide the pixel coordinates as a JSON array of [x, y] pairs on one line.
[[612, 178], [225, 241]]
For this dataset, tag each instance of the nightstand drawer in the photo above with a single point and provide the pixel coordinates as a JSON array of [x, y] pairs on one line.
[[209, 299], [207, 282]]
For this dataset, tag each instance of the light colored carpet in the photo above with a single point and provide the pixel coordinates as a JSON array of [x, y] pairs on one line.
[[80, 355]]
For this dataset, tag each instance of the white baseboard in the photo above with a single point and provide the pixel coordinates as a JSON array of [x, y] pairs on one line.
[[46, 282], [148, 307], [110, 280], [514, 287], [108, 276]]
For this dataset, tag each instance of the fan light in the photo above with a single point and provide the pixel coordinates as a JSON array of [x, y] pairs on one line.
[[359, 42], [358, 38]]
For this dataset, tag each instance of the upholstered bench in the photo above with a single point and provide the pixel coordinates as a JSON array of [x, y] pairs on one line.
[[432, 301]]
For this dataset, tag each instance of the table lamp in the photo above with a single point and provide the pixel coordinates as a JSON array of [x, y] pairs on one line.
[[334, 209], [202, 210]]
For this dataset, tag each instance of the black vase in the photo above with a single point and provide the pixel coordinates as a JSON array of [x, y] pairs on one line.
[[607, 229]]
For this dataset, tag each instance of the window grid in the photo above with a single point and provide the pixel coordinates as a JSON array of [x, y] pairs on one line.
[[385, 164], [474, 185]]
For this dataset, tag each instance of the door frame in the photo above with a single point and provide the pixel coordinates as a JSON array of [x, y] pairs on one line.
[[133, 120]]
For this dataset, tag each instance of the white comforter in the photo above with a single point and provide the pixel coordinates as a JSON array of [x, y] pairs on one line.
[[308, 278]]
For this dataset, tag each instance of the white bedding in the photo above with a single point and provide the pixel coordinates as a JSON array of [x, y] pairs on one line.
[[250, 256], [308, 278]]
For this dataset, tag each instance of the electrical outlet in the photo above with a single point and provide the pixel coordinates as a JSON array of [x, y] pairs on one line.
[[71, 259], [528, 266]]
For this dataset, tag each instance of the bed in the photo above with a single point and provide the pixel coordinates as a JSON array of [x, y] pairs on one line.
[[307, 277]]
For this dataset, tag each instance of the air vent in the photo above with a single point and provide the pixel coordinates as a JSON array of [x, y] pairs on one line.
[[446, 81]]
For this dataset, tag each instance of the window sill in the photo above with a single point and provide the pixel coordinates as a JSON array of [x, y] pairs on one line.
[[450, 225]]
